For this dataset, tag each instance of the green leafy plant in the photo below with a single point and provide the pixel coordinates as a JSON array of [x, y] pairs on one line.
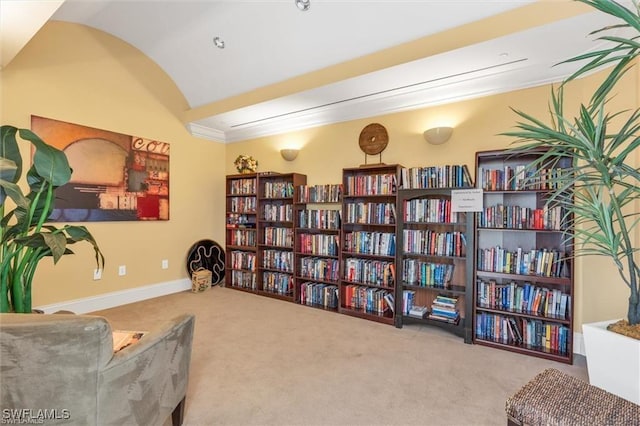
[[25, 238], [599, 190]]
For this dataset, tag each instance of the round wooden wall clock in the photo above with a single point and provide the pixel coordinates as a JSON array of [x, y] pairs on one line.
[[373, 139]]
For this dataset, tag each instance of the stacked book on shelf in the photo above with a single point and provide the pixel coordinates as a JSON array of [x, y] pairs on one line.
[[445, 308]]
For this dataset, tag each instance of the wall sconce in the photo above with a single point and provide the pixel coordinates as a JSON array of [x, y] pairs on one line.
[[438, 135], [289, 154]]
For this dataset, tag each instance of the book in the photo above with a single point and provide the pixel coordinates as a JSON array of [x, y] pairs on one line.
[[125, 338], [418, 311]]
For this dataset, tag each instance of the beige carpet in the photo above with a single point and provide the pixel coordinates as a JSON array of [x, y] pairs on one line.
[[261, 361]]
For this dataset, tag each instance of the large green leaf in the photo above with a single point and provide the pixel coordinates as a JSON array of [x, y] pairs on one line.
[[49, 162]]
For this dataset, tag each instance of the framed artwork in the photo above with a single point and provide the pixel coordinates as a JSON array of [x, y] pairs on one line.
[[116, 177]]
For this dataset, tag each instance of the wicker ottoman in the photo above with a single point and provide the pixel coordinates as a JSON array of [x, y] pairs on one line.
[[556, 398]]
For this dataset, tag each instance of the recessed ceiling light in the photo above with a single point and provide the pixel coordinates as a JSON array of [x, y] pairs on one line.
[[504, 54], [218, 42], [303, 5]]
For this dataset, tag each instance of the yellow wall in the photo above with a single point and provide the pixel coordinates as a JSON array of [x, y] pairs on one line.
[[80, 75], [102, 82]]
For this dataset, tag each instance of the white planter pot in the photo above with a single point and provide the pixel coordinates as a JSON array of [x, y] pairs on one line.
[[613, 360]]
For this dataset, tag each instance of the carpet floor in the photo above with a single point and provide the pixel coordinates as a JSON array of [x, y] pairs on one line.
[[262, 361]]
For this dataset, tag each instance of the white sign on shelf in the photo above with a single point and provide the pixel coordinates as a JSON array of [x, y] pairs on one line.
[[466, 200]]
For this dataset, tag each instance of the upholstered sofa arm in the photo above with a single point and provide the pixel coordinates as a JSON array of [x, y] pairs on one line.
[[144, 383]]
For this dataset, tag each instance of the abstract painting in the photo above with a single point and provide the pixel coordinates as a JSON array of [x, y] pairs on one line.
[[116, 177]]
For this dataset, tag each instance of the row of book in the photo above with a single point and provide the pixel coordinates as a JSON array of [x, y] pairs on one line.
[[243, 186], [277, 259], [380, 184], [319, 294], [243, 260], [523, 298], [318, 268], [367, 299], [518, 178], [330, 193], [529, 333], [373, 243], [319, 219], [373, 272], [429, 210], [426, 274], [275, 236], [375, 213], [277, 212], [433, 243], [243, 204], [243, 279], [276, 282], [516, 217], [242, 237], [542, 262], [449, 176], [278, 189], [320, 244]]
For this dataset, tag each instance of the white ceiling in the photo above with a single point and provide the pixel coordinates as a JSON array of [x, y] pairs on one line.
[[270, 41]]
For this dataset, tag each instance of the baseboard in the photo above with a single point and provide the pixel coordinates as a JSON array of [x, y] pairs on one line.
[[118, 298]]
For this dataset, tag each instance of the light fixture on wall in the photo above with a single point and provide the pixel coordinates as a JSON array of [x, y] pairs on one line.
[[438, 135], [303, 5], [289, 154]]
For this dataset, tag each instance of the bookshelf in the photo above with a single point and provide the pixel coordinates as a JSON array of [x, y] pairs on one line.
[[367, 242], [241, 231], [317, 254], [277, 195], [523, 289], [434, 251]]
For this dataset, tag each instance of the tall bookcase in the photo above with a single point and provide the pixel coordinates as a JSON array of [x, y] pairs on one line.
[[434, 254], [523, 290], [367, 242], [241, 231], [277, 195], [317, 253]]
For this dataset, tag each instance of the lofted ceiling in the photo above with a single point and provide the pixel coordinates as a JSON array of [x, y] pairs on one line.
[[283, 69]]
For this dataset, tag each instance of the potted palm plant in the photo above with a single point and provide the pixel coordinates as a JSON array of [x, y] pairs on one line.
[[25, 237], [600, 191]]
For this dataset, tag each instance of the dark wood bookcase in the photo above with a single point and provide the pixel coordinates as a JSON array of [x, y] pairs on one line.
[[241, 231], [523, 278], [277, 197], [434, 261], [317, 239], [367, 242]]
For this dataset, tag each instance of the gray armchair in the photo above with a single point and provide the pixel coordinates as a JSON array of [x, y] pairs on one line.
[[62, 368]]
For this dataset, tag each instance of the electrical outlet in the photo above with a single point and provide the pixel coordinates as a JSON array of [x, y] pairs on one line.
[[122, 270], [97, 274], [165, 264]]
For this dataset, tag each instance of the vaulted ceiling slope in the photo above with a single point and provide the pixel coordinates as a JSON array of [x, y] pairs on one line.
[[283, 69]]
